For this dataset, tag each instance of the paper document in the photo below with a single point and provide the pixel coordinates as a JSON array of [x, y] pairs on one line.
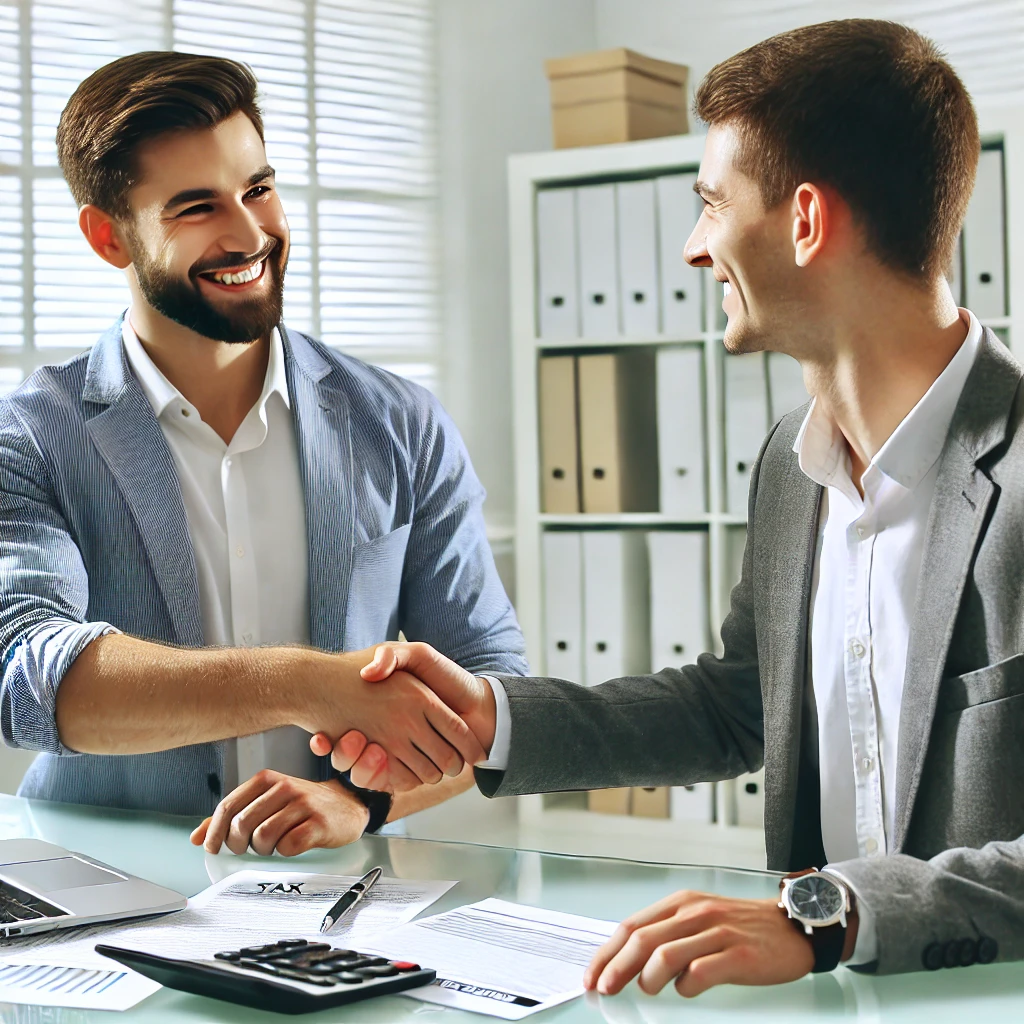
[[73, 986], [245, 909], [498, 958]]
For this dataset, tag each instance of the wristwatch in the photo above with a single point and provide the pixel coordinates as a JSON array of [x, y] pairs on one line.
[[819, 903]]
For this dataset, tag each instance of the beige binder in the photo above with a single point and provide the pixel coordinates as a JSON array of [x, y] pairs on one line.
[[558, 437], [618, 432], [608, 801], [651, 802]]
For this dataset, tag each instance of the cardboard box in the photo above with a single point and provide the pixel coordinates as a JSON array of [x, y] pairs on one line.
[[608, 801], [651, 802], [615, 96]]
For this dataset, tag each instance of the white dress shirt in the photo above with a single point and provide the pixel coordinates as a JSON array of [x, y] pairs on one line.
[[247, 522]]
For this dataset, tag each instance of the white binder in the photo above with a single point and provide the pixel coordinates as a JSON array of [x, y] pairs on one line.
[[681, 284], [562, 554], [680, 624], [638, 258], [616, 632], [693, 803], [735, 545], [598, 245], [557, 299], [681, 444], [746, 423], [984, 240], [785, 385], [750, 800]]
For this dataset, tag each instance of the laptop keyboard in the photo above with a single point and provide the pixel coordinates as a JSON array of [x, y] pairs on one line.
[[18, 905]]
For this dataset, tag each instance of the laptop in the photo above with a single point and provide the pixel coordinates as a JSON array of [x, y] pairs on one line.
[[43, 887]]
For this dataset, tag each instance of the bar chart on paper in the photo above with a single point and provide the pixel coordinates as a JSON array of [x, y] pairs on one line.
[[80, 987]]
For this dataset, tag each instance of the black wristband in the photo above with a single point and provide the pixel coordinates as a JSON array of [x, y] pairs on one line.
[[828, 947], [376, 802]]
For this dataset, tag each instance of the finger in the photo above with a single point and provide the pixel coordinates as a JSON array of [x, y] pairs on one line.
[[655, 912], [728, 965], [417, 762], [271, 828], [384, 663], [245, 823], [457, 734], [348, 750], [307, 835], [199, 833], [238, 798], [375, 770], [637, 950], [440, 752], [320, 743], [671, 959]]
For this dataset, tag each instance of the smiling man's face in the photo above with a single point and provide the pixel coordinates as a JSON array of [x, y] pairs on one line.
[[208, 237], [749, 248]]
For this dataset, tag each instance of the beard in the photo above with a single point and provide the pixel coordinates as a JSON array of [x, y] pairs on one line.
[[181, 300]]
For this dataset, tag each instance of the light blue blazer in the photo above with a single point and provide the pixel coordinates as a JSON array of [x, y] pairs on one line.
[[93, 531]]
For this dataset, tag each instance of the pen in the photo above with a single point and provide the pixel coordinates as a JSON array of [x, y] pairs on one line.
[[350, 899]]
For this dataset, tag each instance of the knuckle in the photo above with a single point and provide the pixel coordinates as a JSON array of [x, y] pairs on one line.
[[267, 776]]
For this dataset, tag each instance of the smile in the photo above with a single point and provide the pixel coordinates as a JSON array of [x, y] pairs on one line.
[[726, 288], [236, 277]]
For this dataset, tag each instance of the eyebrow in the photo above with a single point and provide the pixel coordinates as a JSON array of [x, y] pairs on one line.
[[706, 191], [195, 195]]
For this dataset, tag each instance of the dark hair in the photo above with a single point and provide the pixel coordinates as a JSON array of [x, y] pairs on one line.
[[870, 108], [134, 99]]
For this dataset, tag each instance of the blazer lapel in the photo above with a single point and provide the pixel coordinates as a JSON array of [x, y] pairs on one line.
[[963, 492], [323, 433], [127, 435]]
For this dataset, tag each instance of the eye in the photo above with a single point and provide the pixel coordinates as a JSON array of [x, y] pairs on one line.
[[193, 210], [258, 192]]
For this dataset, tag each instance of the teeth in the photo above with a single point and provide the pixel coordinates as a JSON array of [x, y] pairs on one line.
[[242, 277], [726, 288]]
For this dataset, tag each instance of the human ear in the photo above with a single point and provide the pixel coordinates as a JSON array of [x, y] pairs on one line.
[[104, 236], [812, 222]]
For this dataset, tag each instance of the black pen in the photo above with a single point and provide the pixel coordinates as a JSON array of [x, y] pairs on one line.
[[350, 899]]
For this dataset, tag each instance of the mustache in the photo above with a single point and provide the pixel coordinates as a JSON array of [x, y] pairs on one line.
[[233, 259]]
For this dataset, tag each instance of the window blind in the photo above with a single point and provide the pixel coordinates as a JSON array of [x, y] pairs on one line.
[[347, 93]]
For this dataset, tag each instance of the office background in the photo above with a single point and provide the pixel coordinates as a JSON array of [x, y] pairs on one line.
[[390, 122]]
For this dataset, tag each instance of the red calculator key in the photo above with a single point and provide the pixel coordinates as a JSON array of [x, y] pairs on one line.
[[405, 965]]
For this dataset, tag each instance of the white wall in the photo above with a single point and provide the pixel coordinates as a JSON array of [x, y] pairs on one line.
[[493, 99]]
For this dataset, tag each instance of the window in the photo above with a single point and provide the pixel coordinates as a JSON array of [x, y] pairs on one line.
[[347, 92]]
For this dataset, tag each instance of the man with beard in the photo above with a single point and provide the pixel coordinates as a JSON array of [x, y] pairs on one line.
[[197, 515]]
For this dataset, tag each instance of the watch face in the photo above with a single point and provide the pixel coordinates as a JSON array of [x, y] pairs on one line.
[[816, 898]]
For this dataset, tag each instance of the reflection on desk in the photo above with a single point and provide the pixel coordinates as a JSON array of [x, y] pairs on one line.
[[157, 847]]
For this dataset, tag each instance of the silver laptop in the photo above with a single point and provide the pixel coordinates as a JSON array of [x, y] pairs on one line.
[[43, 886]]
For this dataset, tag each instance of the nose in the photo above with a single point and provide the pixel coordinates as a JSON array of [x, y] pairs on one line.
[[695, 252], [242, 231]]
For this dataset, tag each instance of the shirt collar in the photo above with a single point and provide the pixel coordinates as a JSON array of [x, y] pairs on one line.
[[161, 392], [912, 448]]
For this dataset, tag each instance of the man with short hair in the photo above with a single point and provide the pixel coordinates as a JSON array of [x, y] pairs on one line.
[[873, 653], [200, 514]]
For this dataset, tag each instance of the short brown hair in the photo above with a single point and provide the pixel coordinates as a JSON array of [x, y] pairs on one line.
[[870, 108], [134, 99]]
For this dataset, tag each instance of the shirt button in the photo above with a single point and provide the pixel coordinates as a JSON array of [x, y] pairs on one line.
[[240, 551], [867, 764], [247, 638], [857, 649], [185, 413], [871, 845], [227, 462], [861, 531]]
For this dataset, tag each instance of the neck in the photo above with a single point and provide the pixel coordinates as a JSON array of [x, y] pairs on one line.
[[223, 381], [880, 358]]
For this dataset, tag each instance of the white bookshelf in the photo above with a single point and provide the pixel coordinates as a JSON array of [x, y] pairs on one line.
[[546, 818]]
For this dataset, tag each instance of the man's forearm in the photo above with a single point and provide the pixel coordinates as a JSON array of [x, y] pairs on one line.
[[422, 797], [128, 696]]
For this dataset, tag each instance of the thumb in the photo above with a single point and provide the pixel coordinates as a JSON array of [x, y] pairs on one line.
[[320, 743], [452, 684], [385, 663]]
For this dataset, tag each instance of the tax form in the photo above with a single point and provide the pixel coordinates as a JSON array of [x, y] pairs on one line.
[[245, 909], [498, 958]]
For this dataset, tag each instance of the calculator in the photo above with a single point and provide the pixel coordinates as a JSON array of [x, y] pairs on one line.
[[288, 976]]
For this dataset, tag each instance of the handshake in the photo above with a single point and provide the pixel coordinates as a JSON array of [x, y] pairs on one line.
[[421, 717]]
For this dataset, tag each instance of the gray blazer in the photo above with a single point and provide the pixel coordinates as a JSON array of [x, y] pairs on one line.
[[958, 866]]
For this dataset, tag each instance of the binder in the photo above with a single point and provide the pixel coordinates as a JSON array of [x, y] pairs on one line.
[[680, 624], [559, 441], [681, 443], [650, 802], [599, 286], [746, 423], [785, 385], [984, 240], [638, 258], [609, 801], [750, 800], [618, 432], [562, 553], [681, 285], [693, 803], [735, 544], [616, 630], [558, 306]]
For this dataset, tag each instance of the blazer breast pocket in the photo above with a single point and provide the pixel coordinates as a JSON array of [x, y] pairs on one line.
[[376, 588], [983, 686]]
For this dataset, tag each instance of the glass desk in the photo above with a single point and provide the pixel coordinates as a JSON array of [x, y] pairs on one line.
[[157, 847]]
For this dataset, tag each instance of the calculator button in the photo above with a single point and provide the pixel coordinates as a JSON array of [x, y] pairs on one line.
[[253, 950], [291, 943], [348, 978], [322, 968], [363, 961], [229, 954], [287, 972], [404, 965], [378, 971]]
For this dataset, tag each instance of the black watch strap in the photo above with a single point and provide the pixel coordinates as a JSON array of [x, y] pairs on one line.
[[828, 947], [376, 802]]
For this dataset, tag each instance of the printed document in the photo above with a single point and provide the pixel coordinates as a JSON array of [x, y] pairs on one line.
[[498, 958], [248, 908]]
